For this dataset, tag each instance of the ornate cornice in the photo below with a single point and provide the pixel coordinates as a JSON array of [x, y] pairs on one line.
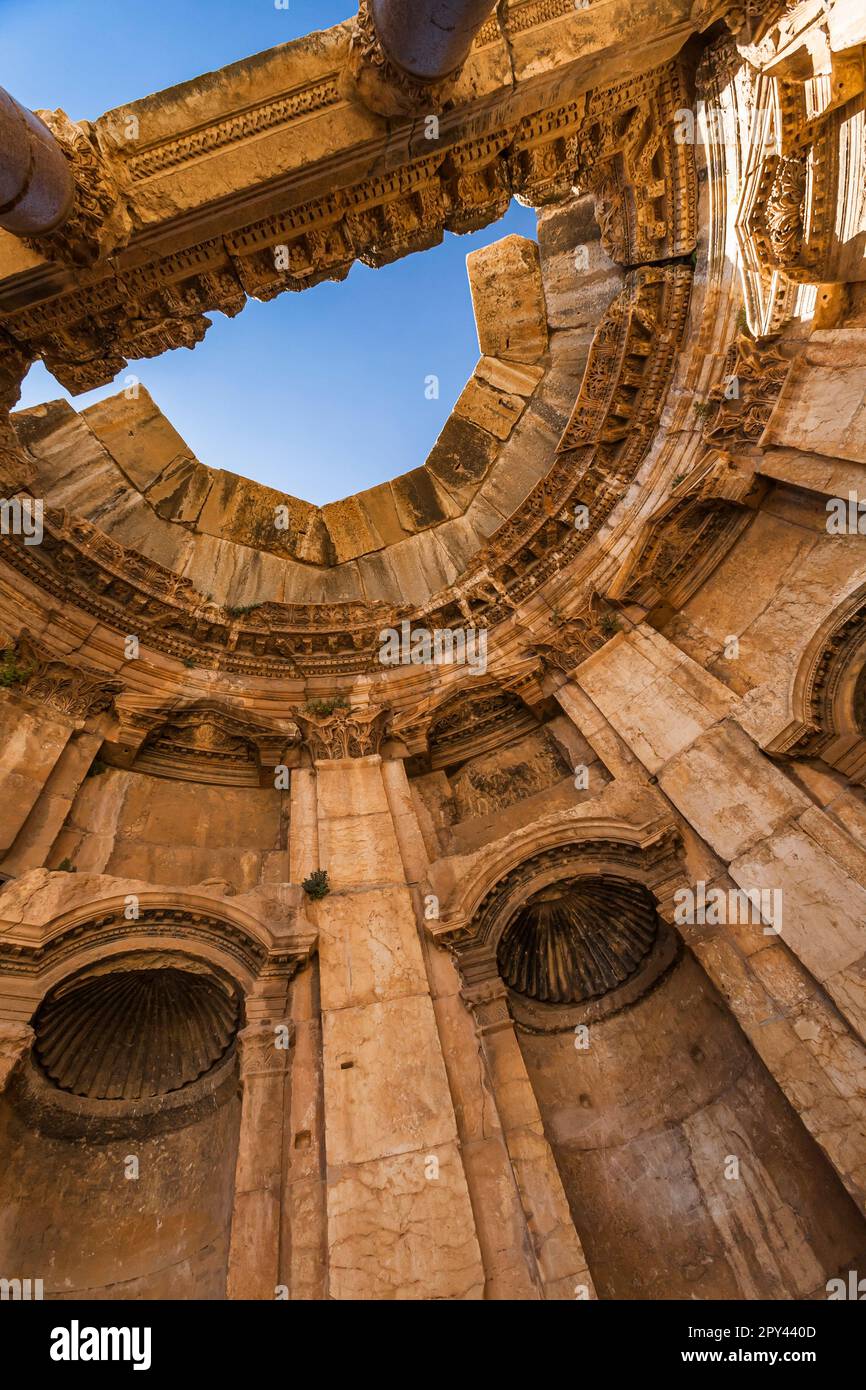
[[88, 331], [612, 426]]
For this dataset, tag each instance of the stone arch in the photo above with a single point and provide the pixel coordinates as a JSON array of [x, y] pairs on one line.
[[645, 1073], [155, 1093], [827, 694]]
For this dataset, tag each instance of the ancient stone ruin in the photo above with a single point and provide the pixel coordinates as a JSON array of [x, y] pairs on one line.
[[458, 891]]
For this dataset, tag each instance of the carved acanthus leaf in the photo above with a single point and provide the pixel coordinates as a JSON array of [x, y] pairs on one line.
[[31, 670], [343, 733], [99, 223]]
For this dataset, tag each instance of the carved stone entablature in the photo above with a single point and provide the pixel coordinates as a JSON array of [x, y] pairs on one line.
[[36, 674], [643, 180], [88, 332], [473, 723], [16, 470], [627, 376], [343, 733], [99, 222], [618, 407], [776, 220], [755, 371], [688, 535]]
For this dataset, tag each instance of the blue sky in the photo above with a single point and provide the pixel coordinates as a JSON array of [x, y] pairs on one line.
[[318, 394]]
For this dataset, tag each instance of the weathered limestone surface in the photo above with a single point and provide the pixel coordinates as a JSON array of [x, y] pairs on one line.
[[399, 1217], [455, 1033]]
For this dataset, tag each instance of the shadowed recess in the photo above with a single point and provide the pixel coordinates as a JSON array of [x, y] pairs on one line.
[[134, 1034], [576, 942]]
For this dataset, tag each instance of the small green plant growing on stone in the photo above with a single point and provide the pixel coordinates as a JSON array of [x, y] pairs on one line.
[[322, 708], [680, 478], [66, 866], [557, 616], [608, 624], [702, 409], [317, 885], [742, 320], [11, 673], [238, 610], [190, 662]]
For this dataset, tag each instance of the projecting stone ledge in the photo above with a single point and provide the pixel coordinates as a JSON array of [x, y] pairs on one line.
[[508, 300]]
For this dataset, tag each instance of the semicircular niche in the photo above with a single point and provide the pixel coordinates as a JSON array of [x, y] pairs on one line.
[[577, 941], [135, 1032]]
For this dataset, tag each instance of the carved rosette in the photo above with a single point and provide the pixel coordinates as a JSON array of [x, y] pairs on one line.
[[344, 733], [34, 672], [99, 222]]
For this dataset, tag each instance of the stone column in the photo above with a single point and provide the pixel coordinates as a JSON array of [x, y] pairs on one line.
[[400, 1222], [36, 185], [404, 53], [429, 38]]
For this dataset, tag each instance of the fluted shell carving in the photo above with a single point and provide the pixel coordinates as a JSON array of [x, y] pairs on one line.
[[134, 1034], [574, 943]]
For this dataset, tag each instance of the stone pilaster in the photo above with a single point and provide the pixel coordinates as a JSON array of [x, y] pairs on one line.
[[254, 1255], [561, 1262], [400, 1221]]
